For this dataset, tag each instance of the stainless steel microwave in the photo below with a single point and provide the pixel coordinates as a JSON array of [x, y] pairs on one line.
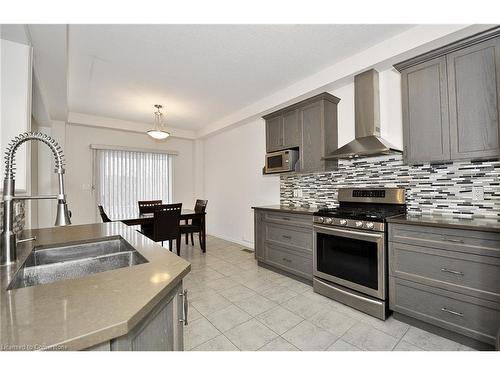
[[281, 161]]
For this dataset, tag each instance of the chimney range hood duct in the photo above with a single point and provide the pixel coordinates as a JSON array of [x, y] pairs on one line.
[[367, 140]]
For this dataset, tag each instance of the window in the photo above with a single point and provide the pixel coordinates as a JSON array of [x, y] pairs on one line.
[[125, 177]]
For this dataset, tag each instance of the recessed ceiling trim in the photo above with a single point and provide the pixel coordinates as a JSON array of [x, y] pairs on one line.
[[117, 124]]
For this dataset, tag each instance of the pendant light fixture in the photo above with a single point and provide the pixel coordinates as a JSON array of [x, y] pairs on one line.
[[158, 131]]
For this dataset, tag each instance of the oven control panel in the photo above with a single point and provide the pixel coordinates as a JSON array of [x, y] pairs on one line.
[[356, 224]]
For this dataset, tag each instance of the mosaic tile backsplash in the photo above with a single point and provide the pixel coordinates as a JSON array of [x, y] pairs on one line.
[[444, 189], [19, 216]]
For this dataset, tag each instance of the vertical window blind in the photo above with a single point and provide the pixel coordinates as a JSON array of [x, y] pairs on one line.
[[125, 177]]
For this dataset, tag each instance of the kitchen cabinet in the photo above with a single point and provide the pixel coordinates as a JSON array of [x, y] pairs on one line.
[[451, 103], [283, 131], [284, 241], [160, 330], [474, 88], [291, 129], [309, 126], [275, 137], [448, 278], [426, 127]]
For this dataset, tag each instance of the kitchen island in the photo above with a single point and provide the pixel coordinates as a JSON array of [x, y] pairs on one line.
[[130, 308]]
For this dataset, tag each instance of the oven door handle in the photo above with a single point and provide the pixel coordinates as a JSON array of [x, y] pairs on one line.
[[349, 233]]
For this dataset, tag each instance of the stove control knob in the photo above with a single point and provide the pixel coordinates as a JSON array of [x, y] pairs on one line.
[[358, 224], [328, 220], [321, 219], [369, 225], [343, 222]]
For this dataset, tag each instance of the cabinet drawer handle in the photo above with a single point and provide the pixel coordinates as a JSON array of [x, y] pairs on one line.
[[287, 260], [286, 218], [185, 305], [287, 237], [454, 240], [459, 273], [451, 311]]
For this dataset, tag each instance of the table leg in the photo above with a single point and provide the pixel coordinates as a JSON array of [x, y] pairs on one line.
[[204, 234]]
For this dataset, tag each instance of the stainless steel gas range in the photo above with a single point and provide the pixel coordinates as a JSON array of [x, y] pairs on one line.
[[350, 248]]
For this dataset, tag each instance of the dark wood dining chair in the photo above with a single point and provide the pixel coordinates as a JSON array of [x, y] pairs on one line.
[[166, 222], [104, 217], [196, 225], [147, 207]]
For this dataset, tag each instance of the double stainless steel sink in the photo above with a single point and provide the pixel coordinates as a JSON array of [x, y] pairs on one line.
[[46, 265]]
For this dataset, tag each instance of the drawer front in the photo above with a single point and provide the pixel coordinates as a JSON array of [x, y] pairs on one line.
[[288, 261], [290, 236], [466, 315], [277, 217], [469, 241], [464, 273]]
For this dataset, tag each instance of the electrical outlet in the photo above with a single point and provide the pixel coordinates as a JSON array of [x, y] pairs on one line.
[[299, 193], [295, 193], [477, 193]]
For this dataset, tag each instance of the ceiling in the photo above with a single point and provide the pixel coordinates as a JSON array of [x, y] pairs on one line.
[[200, 73]]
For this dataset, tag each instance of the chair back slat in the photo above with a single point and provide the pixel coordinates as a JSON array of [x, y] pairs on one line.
[[148, 207], [166, 222], [104, 217], [200, 206]]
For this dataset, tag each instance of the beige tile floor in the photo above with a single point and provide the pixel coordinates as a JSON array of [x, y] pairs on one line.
[[237, 305]]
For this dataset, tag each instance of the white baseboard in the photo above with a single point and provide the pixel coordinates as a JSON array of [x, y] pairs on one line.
[[246, 244]]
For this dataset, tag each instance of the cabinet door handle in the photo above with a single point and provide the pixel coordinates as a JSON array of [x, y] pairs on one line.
[[459, 273], [454, 240], [287, 237], [286, 218], [185, 305], [287, 260], [451, 312]]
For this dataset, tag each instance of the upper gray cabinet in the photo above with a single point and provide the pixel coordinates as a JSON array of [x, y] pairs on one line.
[[426, 130], [275, 138], [309, 126], [283, 131], [291, 129], [450, 101], [474, 85]]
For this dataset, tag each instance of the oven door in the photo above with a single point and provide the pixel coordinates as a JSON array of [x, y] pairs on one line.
[[351, 258]]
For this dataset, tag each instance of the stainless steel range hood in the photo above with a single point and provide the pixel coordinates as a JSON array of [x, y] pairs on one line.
[[366, 120]]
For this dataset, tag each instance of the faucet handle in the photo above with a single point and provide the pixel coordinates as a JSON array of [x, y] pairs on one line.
[[26, 240]]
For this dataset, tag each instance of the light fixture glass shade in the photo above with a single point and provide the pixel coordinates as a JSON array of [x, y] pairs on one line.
[[158, 131], [158, 134]]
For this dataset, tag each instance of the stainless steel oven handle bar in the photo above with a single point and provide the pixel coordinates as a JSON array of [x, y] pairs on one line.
[[349, 233]]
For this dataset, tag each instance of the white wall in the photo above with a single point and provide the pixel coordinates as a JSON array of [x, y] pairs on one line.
[[75, 140], [15, 105], [233, 162]]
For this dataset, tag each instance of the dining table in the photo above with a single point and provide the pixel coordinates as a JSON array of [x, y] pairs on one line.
[[186, 214]]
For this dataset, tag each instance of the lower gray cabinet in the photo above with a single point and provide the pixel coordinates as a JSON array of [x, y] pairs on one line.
[[446, 277], [160, 330], [284, 241], [472, 317]]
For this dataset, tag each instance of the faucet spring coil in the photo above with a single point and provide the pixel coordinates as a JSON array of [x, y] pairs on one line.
[[20, 139]]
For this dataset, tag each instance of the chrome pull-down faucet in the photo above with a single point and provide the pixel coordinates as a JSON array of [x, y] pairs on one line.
[[8, 242]]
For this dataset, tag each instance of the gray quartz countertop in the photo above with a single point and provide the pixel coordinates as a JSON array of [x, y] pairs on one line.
[[80, 313], [288, 209], [489, 225]]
